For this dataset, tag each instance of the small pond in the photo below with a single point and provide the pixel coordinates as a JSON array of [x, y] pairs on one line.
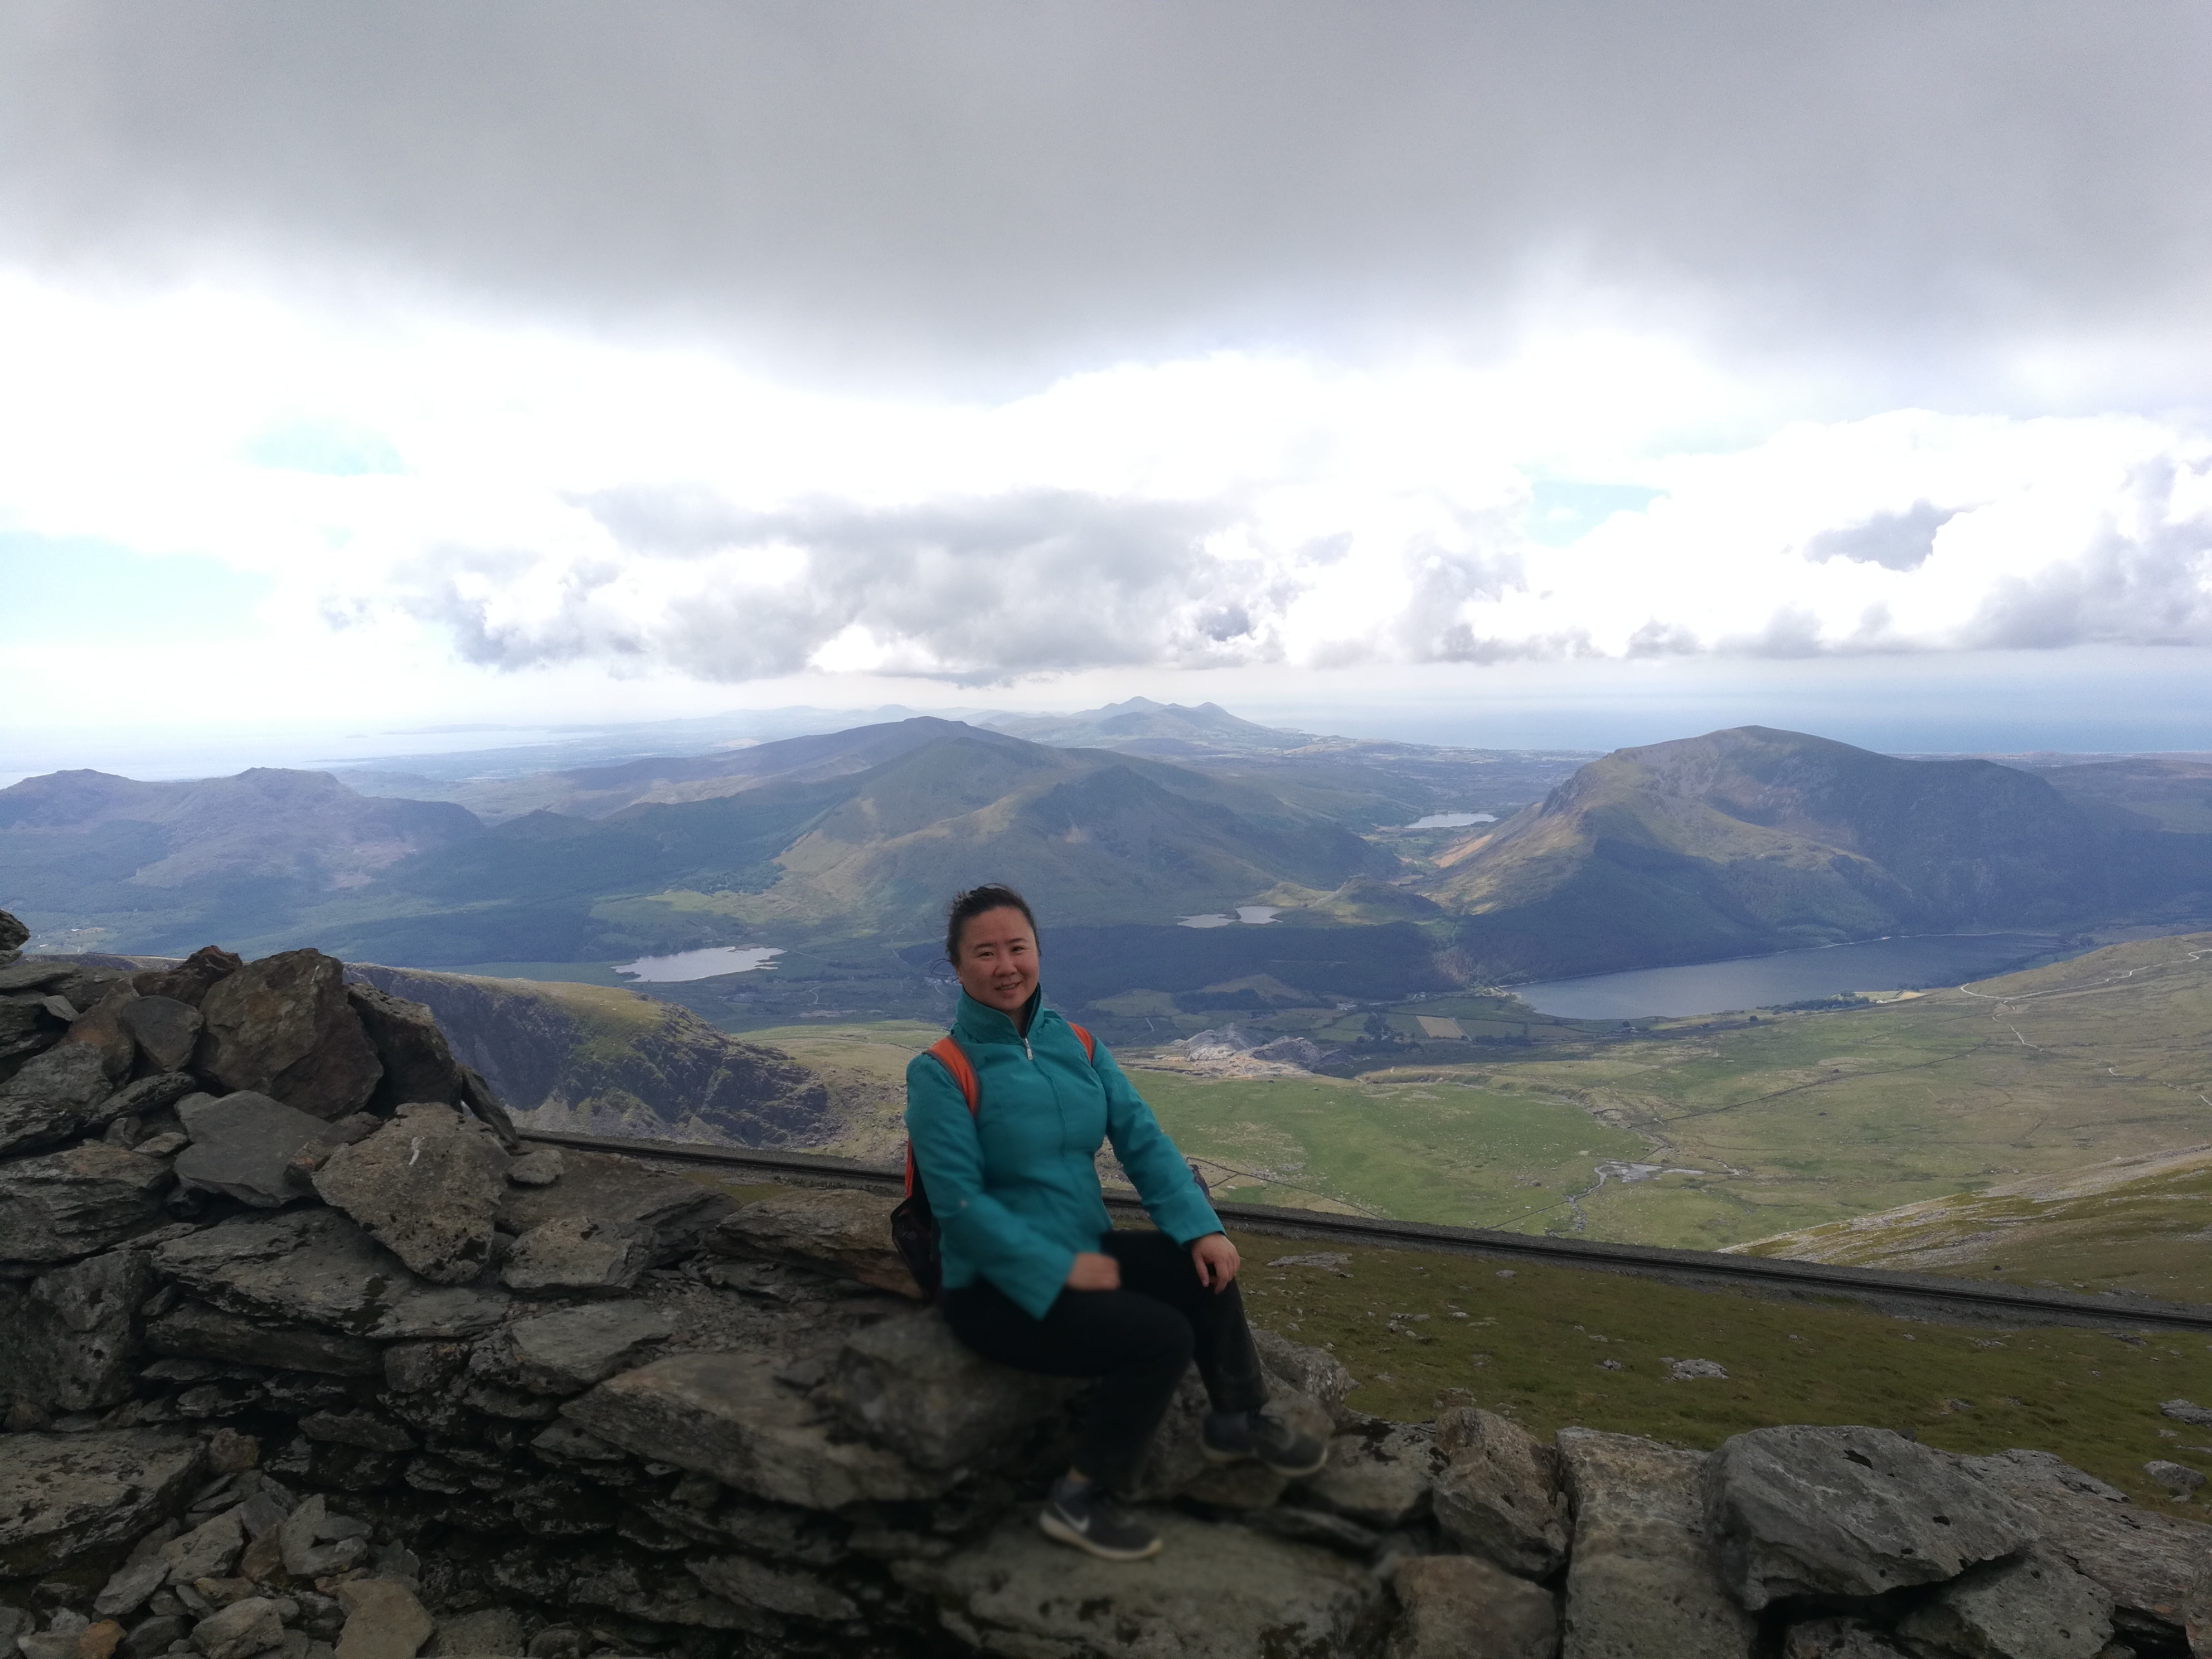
[[699, 964]]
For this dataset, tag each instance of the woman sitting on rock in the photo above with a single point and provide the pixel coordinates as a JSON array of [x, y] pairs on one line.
[[1035, 1276]]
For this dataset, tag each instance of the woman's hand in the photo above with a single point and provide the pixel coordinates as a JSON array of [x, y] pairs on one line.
[[1216, 1260], [1091, 1271]]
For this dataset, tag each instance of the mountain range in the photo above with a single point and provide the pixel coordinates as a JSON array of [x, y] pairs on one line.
[[842, 848]]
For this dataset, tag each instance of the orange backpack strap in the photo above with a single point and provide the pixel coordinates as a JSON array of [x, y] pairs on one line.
[[1089, 1042], [949, 1054]]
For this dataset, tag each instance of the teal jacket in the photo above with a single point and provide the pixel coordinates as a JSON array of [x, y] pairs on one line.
[[1014, 1189]]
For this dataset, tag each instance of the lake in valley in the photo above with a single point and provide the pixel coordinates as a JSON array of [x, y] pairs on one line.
[[1713, 987]]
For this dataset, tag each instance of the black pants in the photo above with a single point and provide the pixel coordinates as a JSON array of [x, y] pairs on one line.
[[1137, 1339]]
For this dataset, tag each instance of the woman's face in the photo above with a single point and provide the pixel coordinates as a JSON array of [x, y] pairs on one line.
[[998, 963]]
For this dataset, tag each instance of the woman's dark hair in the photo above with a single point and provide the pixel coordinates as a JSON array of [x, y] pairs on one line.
[[966, 907]]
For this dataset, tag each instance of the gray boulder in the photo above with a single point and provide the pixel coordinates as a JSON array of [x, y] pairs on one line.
[[492, 1631], [167, 1030], [56, 1096], [1455, 1606], [208, 1551], [539, 1169], [578, 1255], [1801, 1510], [77, 1329], [248, 1146], [666, 1213], [843, 1232], [1213, 1593], [1641, 1582], [725, 1414], [2152, 1565], [1499, 1494], [316, 1267], [418, 1062], [195, 1331], [240, 1630], [2186, 1411], [2178, 1479], [1381, 1473], [1314, 1372], [2034, 1607], [284, 1027], [28, 1027], [70, 1204], [64, 1495], [908, 1384], [425, 1186], [752, 1584], [13, 933], [568, 1351]]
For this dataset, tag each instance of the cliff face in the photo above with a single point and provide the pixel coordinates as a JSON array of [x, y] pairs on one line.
[[595, 1060]]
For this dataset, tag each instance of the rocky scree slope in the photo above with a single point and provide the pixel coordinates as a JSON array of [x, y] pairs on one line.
[[314, 1369]]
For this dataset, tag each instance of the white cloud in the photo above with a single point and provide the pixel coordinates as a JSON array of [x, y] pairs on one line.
[[532, 498]]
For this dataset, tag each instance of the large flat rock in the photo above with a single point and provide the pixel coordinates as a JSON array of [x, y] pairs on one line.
[[77, 1329], [63, 1495], [425, 1186], [1499, 1496], [316, 1267], [569, 1350], [666, 1212], [846, 1233], [908, 1384], [725, 1414], [1801, 1510], [2155, 1567], [56, 1096], [62, 1205], [1641, 1582], [194, 1330], [243, 1145], [1213, 1592]]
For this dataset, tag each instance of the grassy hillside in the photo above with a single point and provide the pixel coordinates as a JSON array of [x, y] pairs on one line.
[[1756, 840], [2140, 1224]]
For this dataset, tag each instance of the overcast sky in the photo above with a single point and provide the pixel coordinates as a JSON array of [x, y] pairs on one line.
[[1467, 364]]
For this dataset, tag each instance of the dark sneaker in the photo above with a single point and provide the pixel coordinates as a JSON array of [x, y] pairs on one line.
[[1086, 1517], [1233, 1437]]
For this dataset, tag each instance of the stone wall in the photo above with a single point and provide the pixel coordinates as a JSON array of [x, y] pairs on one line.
[[308, 1359]]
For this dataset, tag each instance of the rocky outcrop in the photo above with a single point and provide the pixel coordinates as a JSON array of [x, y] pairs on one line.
[[286, 1386]]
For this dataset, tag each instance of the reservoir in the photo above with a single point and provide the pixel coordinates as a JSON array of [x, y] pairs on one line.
[[1714, 988], [698, 964]]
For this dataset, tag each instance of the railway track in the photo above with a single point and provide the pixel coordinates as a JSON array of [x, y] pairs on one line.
[[1918, 1296]]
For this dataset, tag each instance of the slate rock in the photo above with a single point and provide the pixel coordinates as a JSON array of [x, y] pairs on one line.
[[63, 1495], [1455, 1606], [425, 1186], [907, 1383], [2034, 1607], [723, 1414], [316, 1267], [1641, 1580], [61, 1204], [357, 1428], [56, 1096], [240, 1630], [1313, 1372], [314, 1543], [28, 1027], [568, 1351], [752, 1584], [1381, 1474], [2177, 1478], [666, 1598], [491, 1630], [13, 934], [1499, 1494], [2184, 1411], [1801, 1511], [128, 1588], [418, 1062], [1842, 1637], [77, 1329], [283, 1026], [539, 1169], [2152, 1565], [208, 1551], [167, 1030], [578, 1254], [246, 1146], [194, 1330], [842, 1232], [103, 1029], [188, 981], [1212, 1593], [668, 1213]]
